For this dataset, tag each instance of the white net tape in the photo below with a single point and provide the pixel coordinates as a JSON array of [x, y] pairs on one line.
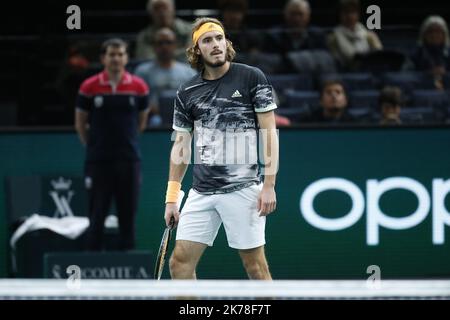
[[223, 289]]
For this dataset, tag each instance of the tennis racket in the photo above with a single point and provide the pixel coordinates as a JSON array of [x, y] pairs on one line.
[[164, 246]]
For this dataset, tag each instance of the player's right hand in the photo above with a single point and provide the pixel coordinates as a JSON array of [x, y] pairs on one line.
[[172, 211]]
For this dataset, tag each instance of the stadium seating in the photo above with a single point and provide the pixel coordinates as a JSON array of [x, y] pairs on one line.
[[282, 82], [408, 80], [353, 81], [431, 98], [267, 62], [419, 115], [298, 72], [363, 115], [381, 61], [301, 98], [399, 38], [364, 99], [311, 61], [296, 113]]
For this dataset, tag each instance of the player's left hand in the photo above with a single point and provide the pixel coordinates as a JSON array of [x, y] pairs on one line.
[[267, 200]]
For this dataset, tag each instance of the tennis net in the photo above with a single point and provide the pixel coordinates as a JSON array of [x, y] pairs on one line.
[[48, 289]]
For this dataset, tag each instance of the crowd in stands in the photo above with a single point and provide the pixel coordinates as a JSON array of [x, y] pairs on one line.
[[338, 75]]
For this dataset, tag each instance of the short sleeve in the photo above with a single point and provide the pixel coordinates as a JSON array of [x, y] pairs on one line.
[[182, 118], [142, 102], [261, 92], [142, 94], [84, 97]]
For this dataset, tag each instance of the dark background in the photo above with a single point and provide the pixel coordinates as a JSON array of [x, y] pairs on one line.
[[34, 42], [49, 17]]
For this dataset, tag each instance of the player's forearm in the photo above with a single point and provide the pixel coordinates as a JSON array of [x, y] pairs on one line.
[[270, 180], [270, 139], [177, 171], [180, 156]]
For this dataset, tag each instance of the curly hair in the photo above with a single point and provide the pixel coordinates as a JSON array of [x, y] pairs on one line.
[[195, 59]]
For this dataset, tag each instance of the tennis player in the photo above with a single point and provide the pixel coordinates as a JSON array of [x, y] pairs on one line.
[[225, 105]]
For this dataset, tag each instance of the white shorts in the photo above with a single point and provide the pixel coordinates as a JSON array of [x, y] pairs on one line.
[[202, 215]]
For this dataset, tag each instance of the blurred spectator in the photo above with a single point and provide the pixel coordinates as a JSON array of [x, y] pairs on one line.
[[390, 105], [333, 104], [164, 72], [233, 14], [433, 51], [162, 14], [351, 38], [296, 33]]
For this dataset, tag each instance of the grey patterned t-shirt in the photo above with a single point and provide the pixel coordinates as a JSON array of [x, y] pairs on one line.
[[222, 114]]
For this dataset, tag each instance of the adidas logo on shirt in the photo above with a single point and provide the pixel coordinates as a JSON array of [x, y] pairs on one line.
[[237, 94]]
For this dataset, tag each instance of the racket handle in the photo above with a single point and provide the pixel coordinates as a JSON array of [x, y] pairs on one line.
[[171, 222]]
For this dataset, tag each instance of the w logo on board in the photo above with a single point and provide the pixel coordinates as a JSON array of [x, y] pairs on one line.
[[62, 195]]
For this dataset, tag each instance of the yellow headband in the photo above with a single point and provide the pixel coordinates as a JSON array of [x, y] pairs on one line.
[[206, 27]]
